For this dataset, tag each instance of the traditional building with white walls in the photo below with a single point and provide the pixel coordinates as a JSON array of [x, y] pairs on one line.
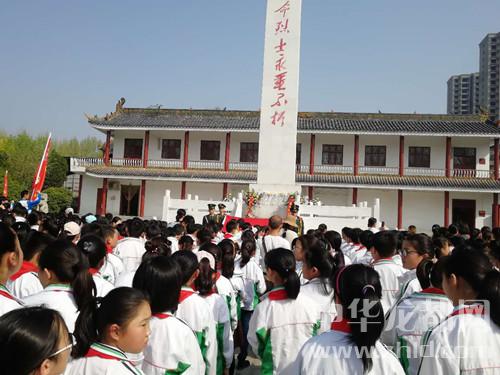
[[426, 169]]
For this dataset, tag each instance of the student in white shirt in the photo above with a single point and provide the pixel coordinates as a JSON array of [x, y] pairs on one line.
[[195, 311], [113, 265], [205, 285], [347, 243], [11, 259], [131, 248], [94, 249], [34, 340], [177, 233], [254, 286], [352, 346], [383, 250], [335, 240], [414, 315], [284, 320], [106, 332], [468, 341], [372, 225], [361, 253], [172, 346], [273, 240], [68, 284]]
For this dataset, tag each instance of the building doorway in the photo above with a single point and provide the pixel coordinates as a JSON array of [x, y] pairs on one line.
[[129, 200], [464, 212]]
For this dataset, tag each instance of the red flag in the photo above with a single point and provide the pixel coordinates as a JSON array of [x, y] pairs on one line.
[[6, 184], [41, 172]]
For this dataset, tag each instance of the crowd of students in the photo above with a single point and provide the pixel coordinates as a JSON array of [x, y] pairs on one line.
[[98, 295]]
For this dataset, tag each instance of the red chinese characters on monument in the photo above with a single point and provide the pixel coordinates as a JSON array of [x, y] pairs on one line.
[[281, 30]]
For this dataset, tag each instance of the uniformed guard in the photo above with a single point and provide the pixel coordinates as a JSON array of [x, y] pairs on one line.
[[222, 214], [211, 217]]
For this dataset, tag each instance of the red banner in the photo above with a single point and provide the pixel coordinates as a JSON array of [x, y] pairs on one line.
[[253, 221], [41, 172], [6, 184]]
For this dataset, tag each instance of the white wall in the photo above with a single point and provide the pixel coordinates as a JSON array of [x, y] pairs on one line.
[[155, 137], [88, 198], [235, 189], [484, 202], [391, 143], [155, 190], [332, 196], [437, 145], [388, 204], [205, 190], [423, 209]]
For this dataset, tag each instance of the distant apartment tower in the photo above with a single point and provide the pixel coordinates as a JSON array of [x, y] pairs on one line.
[[489, 72], [463, 94]]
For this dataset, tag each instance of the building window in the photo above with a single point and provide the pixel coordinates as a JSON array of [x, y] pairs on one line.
[[333, 155], [210, 150], [133, 148], [419, 157], [375, 156], [249, 152], [170, 148], [464, 158], [298, 154]]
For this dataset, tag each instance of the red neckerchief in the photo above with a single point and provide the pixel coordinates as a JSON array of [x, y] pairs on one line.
[[7, 295], [185, 294], [472, 310], [433, 291], [341, 325], [278, 294], [228, 235], [25, 268], [162, 315], [109, 249], [95, 353], [93, 271]]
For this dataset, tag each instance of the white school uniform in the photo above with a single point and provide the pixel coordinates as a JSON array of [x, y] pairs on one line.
[[279, 327], [130, 250], [25, 282], [103, 359], [103, 287], [60, 298], [226, 290], [361, 255], [239, 291], [271, 242], [409, 320], [125, 279], [7, 301], [253, 281], [409, 284], [172, 347], [334, 352], [225, 344], [466, 342], [389, 271], [112, 268], [315, 290], [174, 247], [197, 314], [347, 248]]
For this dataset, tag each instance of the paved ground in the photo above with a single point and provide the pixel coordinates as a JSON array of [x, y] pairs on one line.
[[254, 368]]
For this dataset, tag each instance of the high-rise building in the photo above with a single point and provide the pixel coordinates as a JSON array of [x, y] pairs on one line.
[[489, 72], [463, 94]]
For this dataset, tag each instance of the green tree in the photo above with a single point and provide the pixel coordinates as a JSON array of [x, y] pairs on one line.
[[59, 198], [57, 169]]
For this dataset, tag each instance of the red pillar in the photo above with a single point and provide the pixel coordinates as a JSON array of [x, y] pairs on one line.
[[400, 209], [104, 196], [143, 198], [356, 155], [496, 160], [146, 149], [310, 192], [311, 156], [186, 151], [107, 147], [224, 190], [354, 195], [446, 208], [183, 190], [79, 193], [401, 155], [448, 157], [495, 211], [228, 149]]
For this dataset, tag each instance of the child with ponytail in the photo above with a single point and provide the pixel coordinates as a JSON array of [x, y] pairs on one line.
[[172, 346], [473, 285], [352, 346], [68, 284], [284, 320], [416, 314], [206, 287], [107, 329], [11, 259]]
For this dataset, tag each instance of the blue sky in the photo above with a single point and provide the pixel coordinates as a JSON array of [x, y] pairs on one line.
[[60, 59]]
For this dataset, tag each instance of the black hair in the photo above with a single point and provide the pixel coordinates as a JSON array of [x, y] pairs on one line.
[[247, 250], [187, 242], [205, 282], [204, 235], [33, 218], [319, 256], [356, 234], [282, 261], [94, 248], [385, 243], [157, 246], [19, 210], [92, 228], [135, 227], [188, 220], [22, 230], [421, 243], [366, 238], [359, 290], [430, 273], [438, 243], [188, 262], [35, 244], [371, 222], [23, 193], [49, 226], [119, 306], [29, 336], [153, 230], [322, 228], [7, 239], [160, 279], [495, 250], [70, 266], [476, 269], [227, 253], [231, 225], [108, 231], [193, 228], [178, 229], [180, 214], [335, 239], [247, 235]]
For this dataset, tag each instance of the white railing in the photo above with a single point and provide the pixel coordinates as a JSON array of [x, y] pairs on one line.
[[240, 166], [205, 164], [471, 173], [79, 164], [166, 163], [327, 168], [379, 170], [424, 172], [126, 162]]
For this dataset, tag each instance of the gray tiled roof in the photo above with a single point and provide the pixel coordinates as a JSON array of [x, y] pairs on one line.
[[349, 123], [340, 180]]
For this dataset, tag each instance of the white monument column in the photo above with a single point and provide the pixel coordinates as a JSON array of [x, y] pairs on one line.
[[280, 92]]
